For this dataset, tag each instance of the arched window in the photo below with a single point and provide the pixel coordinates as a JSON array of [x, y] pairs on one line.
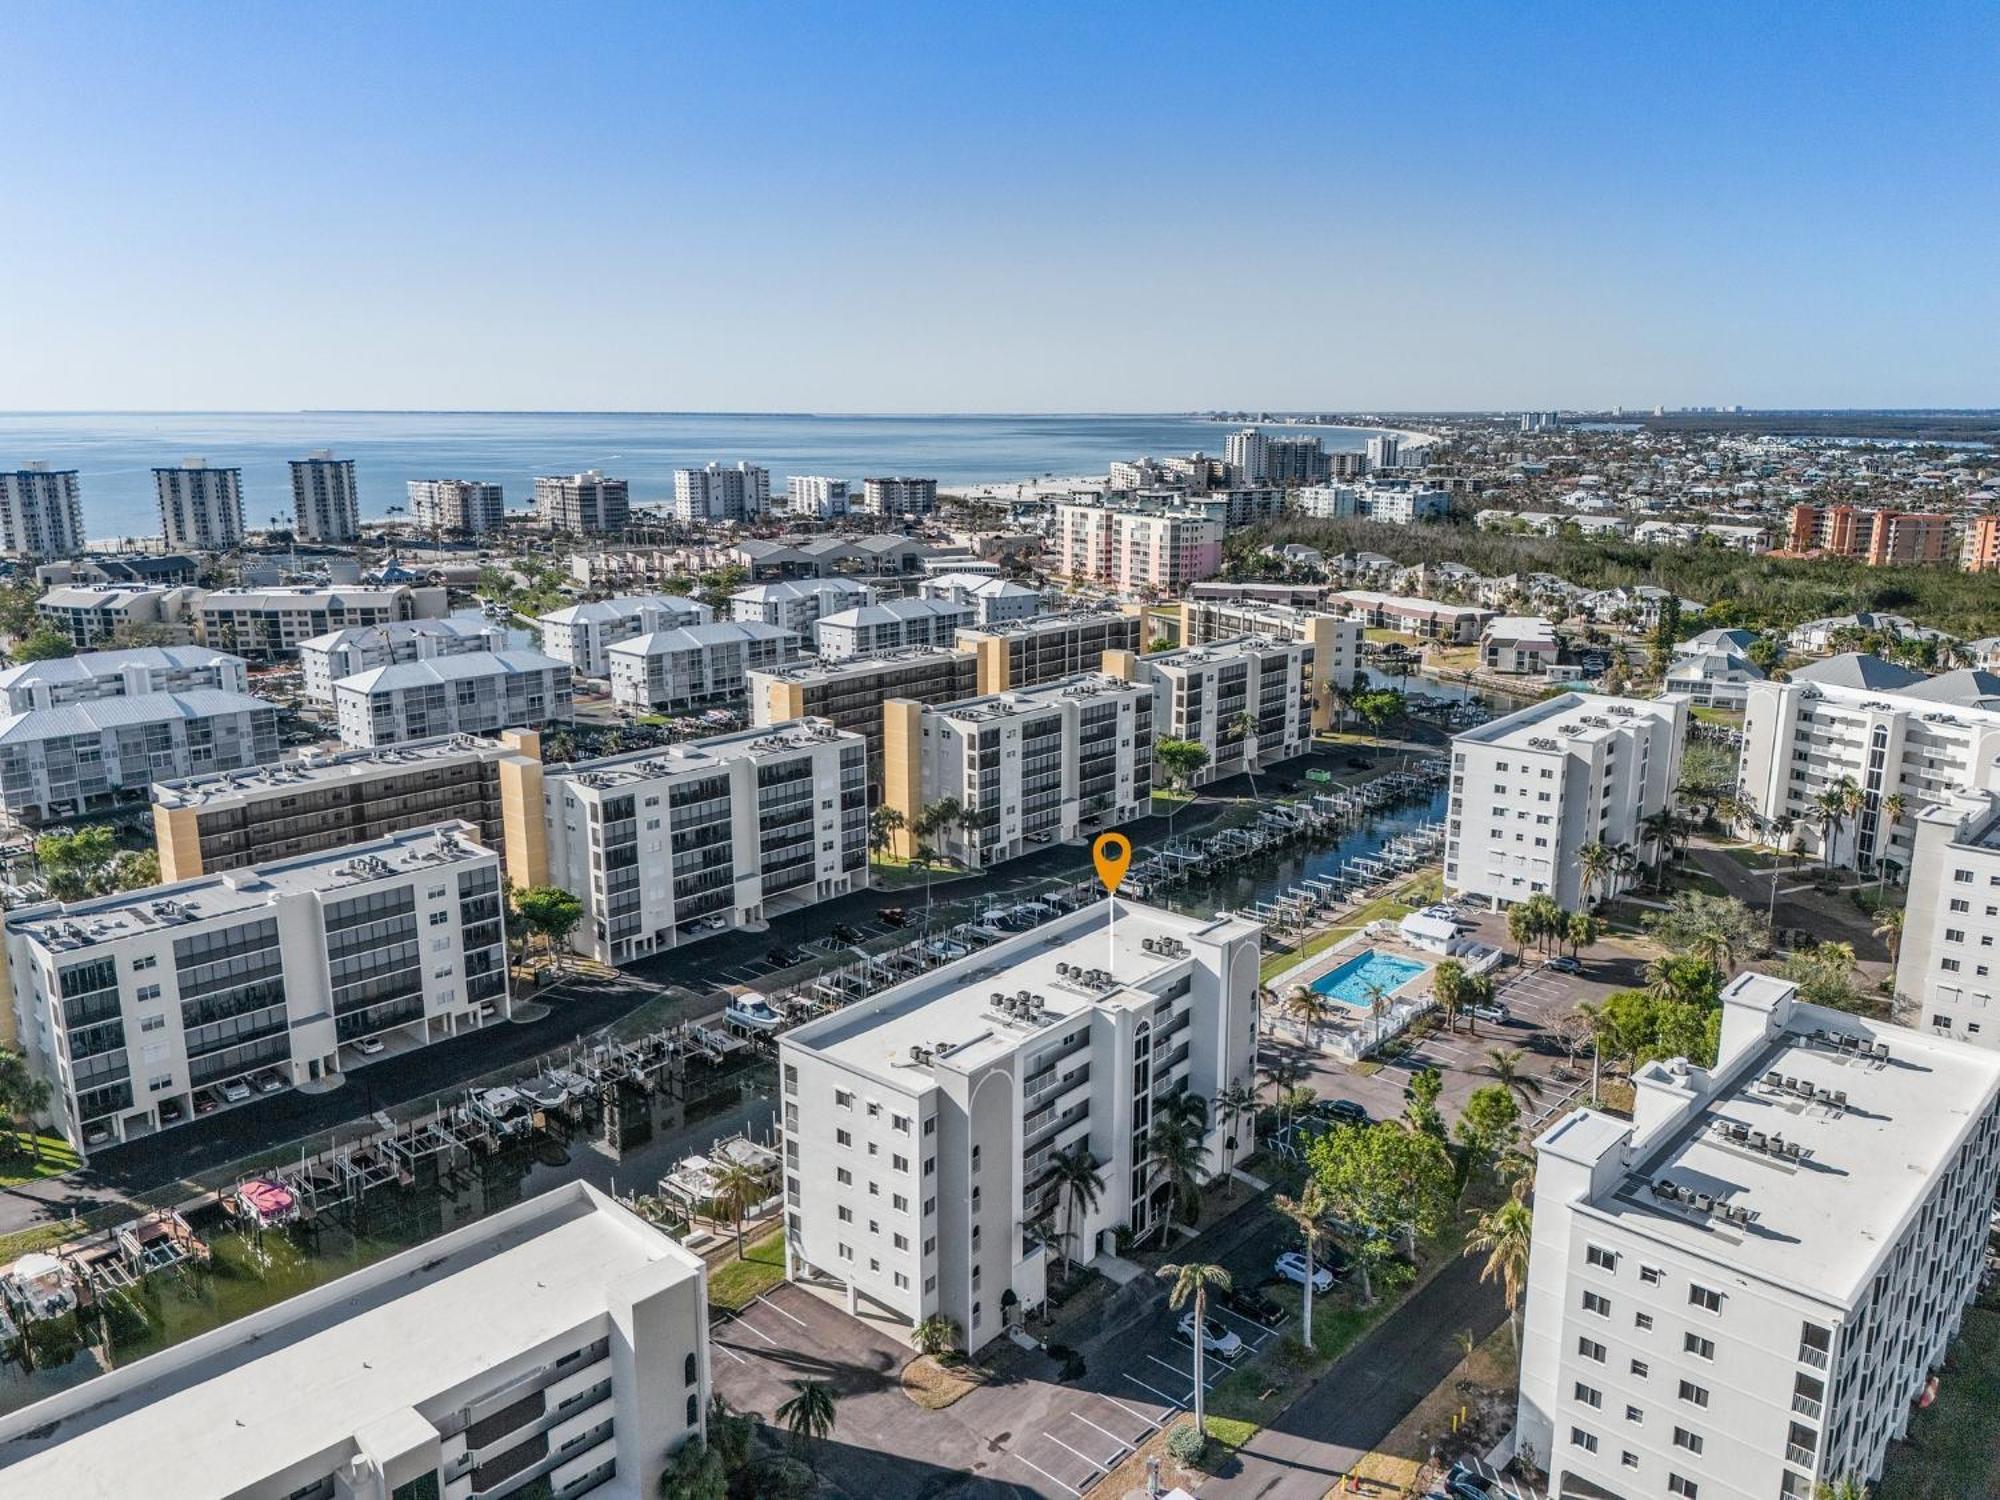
[[690, 1369], [694, 1409]]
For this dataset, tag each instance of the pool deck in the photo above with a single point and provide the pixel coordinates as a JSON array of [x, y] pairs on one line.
[[1348, 1025]]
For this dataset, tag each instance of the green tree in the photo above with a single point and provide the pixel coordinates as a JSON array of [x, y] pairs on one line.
[[808, 1416], [1448, 986], [1584, 930], [1174, 1161], [1420, 1104], [1718, 930], [884, 823], [74, 865], [134, 870], [1192, 1283], [551, 914], [24, 1096], [1079, 1184], [738, 1189], [1505, 1235], [43, 643], [937, 1335], [1310, 1008], [1385, 1181], [1503, 1065], [695, 1472], [1307, 1212], [1487, 1125], [1182, 760], [1889, 928], [1380, 708], [1824, 974], [1234, 1104], [1598, 866]]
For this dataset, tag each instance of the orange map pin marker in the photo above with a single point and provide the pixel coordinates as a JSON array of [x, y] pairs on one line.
[[1112, 853]]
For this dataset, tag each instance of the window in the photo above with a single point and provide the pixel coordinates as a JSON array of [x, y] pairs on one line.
[[846, 1252], [930, 1207], [1642, 1320], [902, 1241], [1590, 1349], [439, 918], [902, 1281], [900, 1163], [1698, 1346], [930, 1126], [898, 1202], [1688, 1440], [1589, 1395], [1650, 1275], [1593, 1303], [690, 1369], [1693, 1394], [149, 992], [1702, 1297], [930, 1283], [873, 1149], [1679, 1486], [844, 1214], [844, 1177], [145, 961], [693, 1409], [842, 1137], [1641, 1369], [843, 1099], [874, 1110], [900, 1122], [1584, 1440], [976, 1307], [1634, 1415], [1603, 1259]]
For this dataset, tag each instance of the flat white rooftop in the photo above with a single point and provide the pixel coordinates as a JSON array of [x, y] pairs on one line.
[[300, 1379], [953, 1012], [320, 768], [858, 666], [1818, 1220], [1082, 686], [711, 754], [1572, 718]]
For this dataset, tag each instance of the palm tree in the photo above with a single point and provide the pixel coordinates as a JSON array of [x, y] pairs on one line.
[[1894, 807], [1829, 810], [1599, 1024], [936, 1335], [808, 1416], [1078, 1184], [1234, 1104], [1503, 1235], [1889, 928], [738, 1189], [1309, 1008], [1283, 1072], [1241, 727], [1448, 989], [1847, 1487], [1584, 929], [1597, 864], [1174, 1161], [1504, 1064], [884, 823], [1192, 1282], [1658, 829], [1306, 1211], [1378, 1007], [1182, 760]]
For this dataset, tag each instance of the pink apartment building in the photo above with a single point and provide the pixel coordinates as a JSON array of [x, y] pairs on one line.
[[1136, 550]]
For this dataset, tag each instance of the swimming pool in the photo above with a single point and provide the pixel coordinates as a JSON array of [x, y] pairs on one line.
[[1356, 981]]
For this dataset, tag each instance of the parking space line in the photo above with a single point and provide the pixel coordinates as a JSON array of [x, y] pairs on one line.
[[1178, 1371], [738, 1322], [1136, 1415], [1122, 1444], [1045, 1473], [730, 1352], [1250, 1323], [1174, 1404], [1094, 1464], [766, 1302]]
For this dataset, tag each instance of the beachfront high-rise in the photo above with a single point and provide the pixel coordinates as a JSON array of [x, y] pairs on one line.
[[1246, 454], [324, 503], [899, 495], [816, 495], [468, 507], [200, 507], [714, 493], [586, 504], [41, 512]]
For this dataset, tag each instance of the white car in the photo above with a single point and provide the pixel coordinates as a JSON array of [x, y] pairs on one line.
[[235, 1091], [368, 1046], [1214, 1337], [1492, 1011], [1292, 1266]]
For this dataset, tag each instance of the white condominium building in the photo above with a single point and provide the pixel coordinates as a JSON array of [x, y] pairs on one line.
[[1890, 731], [583, 634], [1030, 767], [1530, 791], [798, 606], [270, 624], [586, 504], [817, 496], [469, 507], [894, 625], [90, 616], [666, 846], [899, 495], [1132, 551], [695, 664], [324, 501], [714, 493], [1336, 642], [851, 694], [1247, 454], [558, 1347], [76, 758], [1949, 953], [1741, 1292], [200, 507], [1247, 701], [1399, 505], [478, 693], [130, 1004], [325, 659], [993, 601], [130, 673], [41, 512], [921, 1122]]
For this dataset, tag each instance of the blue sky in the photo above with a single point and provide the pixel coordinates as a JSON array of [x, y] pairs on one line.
[[1013, 207]]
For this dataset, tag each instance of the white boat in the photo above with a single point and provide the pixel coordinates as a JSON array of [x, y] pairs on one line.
[[503, 1110], [753, 1013], [37, 1286]]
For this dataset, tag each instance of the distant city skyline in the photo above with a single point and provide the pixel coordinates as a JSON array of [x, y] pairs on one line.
[[917, 209]]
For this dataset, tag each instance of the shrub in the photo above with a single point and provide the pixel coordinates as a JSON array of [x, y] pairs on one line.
[[1186, 1444]]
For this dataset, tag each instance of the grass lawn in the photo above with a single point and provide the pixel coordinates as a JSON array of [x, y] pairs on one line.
[[18, 1163], [904, 874], [1167, 803], [934, 1386], [1753, 857], [1953, 1448], [1732, 718], [734, 1284], [1392, 907], [40, 1237]]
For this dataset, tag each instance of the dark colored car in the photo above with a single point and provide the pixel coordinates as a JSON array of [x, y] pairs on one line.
[[894, 916], [841, 932], [1252, 1305], [1342, 1111], [1463, 1483]]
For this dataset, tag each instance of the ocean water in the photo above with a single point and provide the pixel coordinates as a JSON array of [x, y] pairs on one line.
[[115, 453]]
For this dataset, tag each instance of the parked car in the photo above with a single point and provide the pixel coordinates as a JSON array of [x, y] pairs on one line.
[[205, 1102], [171, 1113], [1292, 1266], [894, 916], [1215, 1338], [235, 1091], [1341, 1111], [269, 1081], [368, 1046], [1491, 1010], [844, 933], [97, 1135], [1465, 1483], [1252, 1305], [1563, 964]]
